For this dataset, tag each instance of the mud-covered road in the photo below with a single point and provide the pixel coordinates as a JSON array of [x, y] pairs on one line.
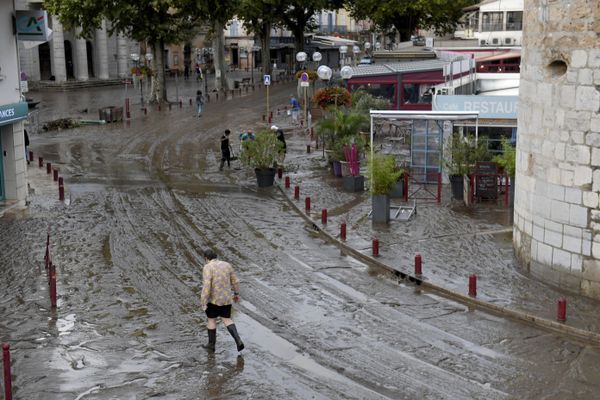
[[146, 199]]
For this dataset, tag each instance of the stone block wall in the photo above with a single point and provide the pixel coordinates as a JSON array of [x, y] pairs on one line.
[[557, 215]]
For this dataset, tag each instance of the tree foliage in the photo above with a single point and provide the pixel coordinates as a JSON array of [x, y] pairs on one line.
[[406, 16]]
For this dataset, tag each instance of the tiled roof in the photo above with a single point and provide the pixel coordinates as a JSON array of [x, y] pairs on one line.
[[398, 67]]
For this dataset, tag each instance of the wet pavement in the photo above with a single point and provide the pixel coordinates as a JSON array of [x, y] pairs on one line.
[[146, 198]]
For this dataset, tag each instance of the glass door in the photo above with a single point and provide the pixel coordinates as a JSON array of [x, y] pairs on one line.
[[426, 150]]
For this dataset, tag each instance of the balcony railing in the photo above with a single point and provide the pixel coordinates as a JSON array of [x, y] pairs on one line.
[[499, 68]]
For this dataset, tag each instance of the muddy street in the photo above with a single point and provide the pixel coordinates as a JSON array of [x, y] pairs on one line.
[[147, 197]]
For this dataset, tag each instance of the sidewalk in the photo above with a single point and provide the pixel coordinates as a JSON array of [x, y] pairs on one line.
[[453, 240]]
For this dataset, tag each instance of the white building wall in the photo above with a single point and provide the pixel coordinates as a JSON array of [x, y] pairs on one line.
[[557, 216]]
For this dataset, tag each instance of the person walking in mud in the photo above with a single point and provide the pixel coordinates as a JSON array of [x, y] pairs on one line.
[[225, 150], [218, 282], [199, 102]]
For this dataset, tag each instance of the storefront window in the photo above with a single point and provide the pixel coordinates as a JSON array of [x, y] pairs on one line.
[[383, 90], [417, 93]]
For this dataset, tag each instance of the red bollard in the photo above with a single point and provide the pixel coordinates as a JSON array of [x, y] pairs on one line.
[[279, 172], [270, 115], [7, 377], [561, 310], [296, 192], [55, 176], [48, 168], [375, 248], [158, 106], [263, 117], [308, 149], [287, 182], [190, 101], [473, 285], [343, 231], [61, 181], [53, 285], [418, 269], [31, 156], [307, 204], [270, 118], [145, 110], [41, 161], [127, 112], [324, 216], [61, 193]]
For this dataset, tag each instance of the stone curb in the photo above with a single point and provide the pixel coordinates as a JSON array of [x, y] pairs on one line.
[[539, 322]]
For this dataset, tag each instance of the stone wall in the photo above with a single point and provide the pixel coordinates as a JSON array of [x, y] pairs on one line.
[[557, 216]]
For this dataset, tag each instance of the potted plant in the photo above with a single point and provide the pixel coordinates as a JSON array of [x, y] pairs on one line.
[[464, 153], [261, 154], [354, 181], [397, 191], [383, 175], [332, 96], [507, 161]]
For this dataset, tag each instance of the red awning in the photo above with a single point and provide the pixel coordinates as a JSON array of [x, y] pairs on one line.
[[503, 56]]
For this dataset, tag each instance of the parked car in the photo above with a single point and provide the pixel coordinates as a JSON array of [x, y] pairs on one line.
[[418, 40], [366, 61]]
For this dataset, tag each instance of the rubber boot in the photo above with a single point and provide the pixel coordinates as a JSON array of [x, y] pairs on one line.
[[234, 333], [212, 340]]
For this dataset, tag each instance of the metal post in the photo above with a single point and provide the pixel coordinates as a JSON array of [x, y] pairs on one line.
[[418, 265], [177, 86], [7, 375], [375, 248], [473, 285], [561, 310], [307, 204], [343, 231], [324, 216]]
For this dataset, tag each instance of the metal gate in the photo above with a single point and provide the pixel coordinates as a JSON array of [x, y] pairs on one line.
[[426, 149]]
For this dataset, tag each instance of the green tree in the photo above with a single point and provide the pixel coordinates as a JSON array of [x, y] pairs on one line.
[[157, 22], [406, 16], [260, 16]]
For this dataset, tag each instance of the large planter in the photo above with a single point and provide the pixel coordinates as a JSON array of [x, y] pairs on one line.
[[337, 168], [380, 208], [265, 176], [457, 185], [354, 183], [397, 191]]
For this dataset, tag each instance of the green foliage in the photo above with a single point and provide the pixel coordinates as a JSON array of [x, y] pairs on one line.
[[312, 75], [261, 152], [508, 158], [332, 96], [409, 15], [383, 172], [363, 102], [341, 127], [464, 153]]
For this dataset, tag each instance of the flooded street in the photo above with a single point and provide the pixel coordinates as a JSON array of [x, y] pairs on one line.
[[147, 197]]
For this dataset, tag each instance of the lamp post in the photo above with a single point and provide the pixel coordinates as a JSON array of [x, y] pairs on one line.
[[135, 57], [149, 58], [343, 51], [317, 57], [356, 51], [324, 73], [367, 47], [301, 58]]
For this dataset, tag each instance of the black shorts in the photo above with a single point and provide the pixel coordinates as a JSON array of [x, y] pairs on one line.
[[214, 311]]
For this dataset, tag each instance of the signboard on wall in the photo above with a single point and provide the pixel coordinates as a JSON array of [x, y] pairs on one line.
[[489, 107], [11, 113], [32, 25]]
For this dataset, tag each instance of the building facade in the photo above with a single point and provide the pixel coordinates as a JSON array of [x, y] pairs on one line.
[[557, 216], [67, 57], [13, 110]]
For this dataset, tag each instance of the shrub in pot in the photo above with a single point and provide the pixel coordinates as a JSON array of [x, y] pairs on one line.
[[464, 153], [507, 161], [383, 174], [261, 154]]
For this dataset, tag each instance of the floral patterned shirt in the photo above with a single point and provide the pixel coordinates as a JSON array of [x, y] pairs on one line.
[[218, 280]]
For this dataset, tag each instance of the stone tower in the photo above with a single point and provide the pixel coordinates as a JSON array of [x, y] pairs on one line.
[[557, 214]]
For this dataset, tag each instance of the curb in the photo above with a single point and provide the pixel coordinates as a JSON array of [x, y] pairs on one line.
[[543, 323]]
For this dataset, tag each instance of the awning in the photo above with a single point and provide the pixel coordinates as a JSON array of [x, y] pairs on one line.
[[503, 56], [429, 115]]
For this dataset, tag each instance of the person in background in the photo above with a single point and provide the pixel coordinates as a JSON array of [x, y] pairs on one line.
[[295, 108], [199, 102], [225, 152], [281, 138], [218, 282]]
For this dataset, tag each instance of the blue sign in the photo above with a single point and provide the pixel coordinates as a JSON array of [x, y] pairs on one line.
[[489, 107], [304, 77], [32, 25], [11, 113], [267, 80]]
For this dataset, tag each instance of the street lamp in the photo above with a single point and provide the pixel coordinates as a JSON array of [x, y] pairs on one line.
[[135, 57], [301, 58], [324, 73], [367, 47], [377, 45], [356, 51], [317, 57], [343, 51]]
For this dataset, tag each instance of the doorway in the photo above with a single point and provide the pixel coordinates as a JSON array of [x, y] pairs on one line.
[[234, 57], [69, 60], [45, 61], [90, 58]]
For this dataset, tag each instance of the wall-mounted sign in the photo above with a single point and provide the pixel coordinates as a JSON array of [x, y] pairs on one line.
[[11, 113], [32, 25], [489, 107]]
